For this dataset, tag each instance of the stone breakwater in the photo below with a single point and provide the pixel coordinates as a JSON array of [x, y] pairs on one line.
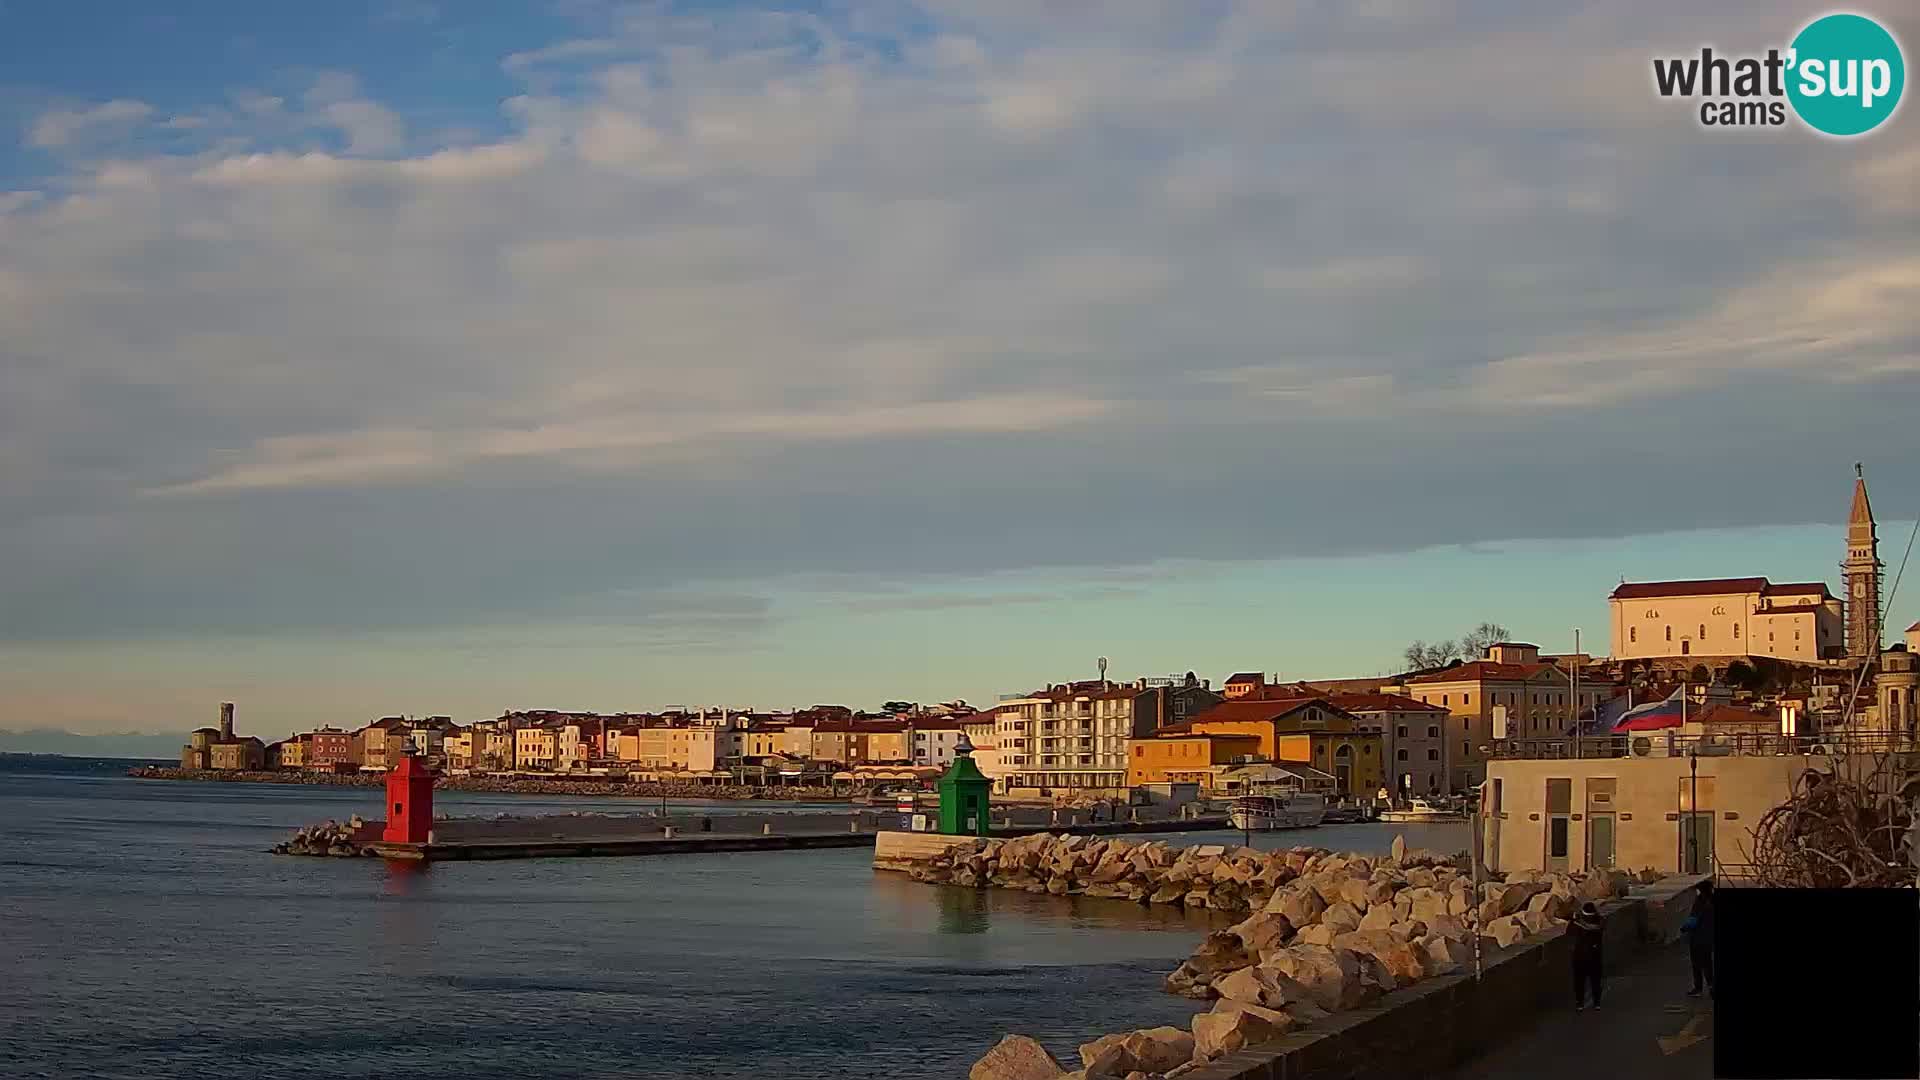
[[1325, 933], [330, 838], [653, 789]]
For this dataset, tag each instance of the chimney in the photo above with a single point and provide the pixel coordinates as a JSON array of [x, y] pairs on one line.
[[226, 721]]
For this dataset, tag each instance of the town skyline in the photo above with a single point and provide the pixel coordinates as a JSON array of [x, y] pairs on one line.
[[405, 357]]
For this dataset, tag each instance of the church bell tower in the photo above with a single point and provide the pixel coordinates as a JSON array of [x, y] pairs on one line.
[[1862, 573]]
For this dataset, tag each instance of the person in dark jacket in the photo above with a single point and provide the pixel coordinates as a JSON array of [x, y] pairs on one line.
[[1699, 928], [1586, 930]]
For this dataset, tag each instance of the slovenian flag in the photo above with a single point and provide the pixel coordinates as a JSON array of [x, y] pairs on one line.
[[1658, 715]]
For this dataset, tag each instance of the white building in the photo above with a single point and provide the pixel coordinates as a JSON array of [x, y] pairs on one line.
[[1726, 617]]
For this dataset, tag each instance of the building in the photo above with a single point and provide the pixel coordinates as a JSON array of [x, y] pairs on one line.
[[1243, 684], [1413, 739], [1307, 730], [1511, 694], [238, 755], [887, 742], [378, 745], [288, 753], [536, 749], [1069, 735], [932, 739], [1665, 808], [1861, 570], [1725, 617], [1754, 617], [1164, 702], [1188, 758], [672, 749], [328, 748]]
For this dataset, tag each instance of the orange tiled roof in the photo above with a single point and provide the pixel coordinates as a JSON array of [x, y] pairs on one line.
[[1703, 587], [1484, 671]]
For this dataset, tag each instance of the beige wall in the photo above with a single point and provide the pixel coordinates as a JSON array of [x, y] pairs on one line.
[[534, 748], [1739, 790], [1420, 753], [677, 749], [1539, 707], [1728, 624]]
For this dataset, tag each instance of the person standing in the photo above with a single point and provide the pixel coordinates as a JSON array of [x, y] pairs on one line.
[[1587, 932], [1699, 929]]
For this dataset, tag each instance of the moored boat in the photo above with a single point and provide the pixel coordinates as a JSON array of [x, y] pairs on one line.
[[1422, 810], [1280, 810]]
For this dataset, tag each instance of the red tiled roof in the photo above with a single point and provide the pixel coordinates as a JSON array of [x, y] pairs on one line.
[[1915, 626], [1359, 703], [1788, 609], [1245, 710], [1798, 589], [1704, 587], [937, 723], [1484, 671]]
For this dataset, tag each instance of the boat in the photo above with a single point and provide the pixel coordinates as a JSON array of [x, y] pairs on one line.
[[1344, 815], [1422, 810], [1278, 810]]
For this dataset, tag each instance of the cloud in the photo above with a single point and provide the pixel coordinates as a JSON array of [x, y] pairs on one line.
[[61, 128], [954, 288]]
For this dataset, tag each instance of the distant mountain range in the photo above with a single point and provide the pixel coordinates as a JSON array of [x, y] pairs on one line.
[[125, 744]]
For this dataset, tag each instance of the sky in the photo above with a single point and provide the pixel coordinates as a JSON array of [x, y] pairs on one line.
[[382, 357]]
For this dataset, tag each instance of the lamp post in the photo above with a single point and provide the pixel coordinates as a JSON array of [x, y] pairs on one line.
[[1579, 742]]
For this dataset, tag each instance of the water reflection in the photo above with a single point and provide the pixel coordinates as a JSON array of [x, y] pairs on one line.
[[962, 911]]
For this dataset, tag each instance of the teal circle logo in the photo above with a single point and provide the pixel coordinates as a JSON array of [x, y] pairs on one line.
[[1845, 74]]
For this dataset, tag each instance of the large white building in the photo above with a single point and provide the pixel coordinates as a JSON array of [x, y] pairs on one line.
[[1726, 617]]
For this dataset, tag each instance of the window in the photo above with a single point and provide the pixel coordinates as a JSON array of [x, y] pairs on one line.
[[1400, 732], [1433, 755], [1443, 699], [1433, 731], [1400, 755], [1796, 633], [1466, 699], [1463, 749], [1703, 631], [1633, 633], [1736, 631]]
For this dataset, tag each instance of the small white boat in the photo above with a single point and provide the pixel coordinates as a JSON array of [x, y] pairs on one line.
[[1290, 810], [1422, 810]]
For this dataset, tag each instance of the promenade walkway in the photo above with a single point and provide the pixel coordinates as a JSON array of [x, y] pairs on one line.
[[1648, 1029]]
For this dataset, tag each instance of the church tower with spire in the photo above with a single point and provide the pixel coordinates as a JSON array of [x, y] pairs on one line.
[[1862, 573]]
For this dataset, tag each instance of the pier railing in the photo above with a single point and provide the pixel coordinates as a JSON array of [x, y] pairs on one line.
[[1674, 744]]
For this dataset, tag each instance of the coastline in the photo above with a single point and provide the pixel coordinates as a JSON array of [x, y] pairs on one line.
[[518, 786]]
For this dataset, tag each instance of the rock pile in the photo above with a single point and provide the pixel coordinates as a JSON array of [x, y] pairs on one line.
[[328, 838], [1325, 932]]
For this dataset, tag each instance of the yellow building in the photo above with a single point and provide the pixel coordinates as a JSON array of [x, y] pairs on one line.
[[291, 754], [671, 749], [238, 754], [1529, 698], [1307, 730], [1193, 757], [766, 742], [888, 742], [535, 748]]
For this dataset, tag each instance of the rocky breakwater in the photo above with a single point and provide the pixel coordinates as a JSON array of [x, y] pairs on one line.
[[329, 838], [1326, 933]]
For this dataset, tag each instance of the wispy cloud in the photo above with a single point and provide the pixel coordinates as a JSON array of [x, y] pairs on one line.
[[66, 127]]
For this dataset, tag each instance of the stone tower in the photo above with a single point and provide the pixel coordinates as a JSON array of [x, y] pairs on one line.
[[1862, 572]]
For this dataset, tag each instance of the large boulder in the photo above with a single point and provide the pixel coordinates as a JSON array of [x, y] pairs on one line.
[[1357, 893], [1443, 956], [1342, 917], [1426, 903], [1156, 1050], [1605, 885], [1396, 954], [1331, 978], [1016, 1057], [1319, 933], [1399, 849], [1261, 985], [1553, 905], [1223, 1032], [1263, 932], [1186, 982], [1506, 930], [1301, 905], [1378, 917], [1221, 951]]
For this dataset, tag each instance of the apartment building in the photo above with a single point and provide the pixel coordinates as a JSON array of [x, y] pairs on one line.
[[1070, 735], [536, 749], [1510, 694], [1413, 737]]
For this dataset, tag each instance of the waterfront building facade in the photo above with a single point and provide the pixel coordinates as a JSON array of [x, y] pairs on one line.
[[1528, 697], [1413, 740]]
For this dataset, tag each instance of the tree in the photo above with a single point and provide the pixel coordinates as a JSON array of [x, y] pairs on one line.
[[1473, 646], [1741, 674], [1421, 655]]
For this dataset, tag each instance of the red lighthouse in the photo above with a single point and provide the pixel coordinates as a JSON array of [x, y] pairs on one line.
[[409, 800]]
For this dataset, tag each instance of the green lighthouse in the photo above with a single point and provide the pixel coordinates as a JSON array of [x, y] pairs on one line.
[[963, 795]]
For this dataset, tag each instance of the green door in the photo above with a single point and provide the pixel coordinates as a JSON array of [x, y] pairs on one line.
[[1599, 841]]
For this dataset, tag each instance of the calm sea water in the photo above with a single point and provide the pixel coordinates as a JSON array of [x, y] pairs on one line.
[[144, 933]]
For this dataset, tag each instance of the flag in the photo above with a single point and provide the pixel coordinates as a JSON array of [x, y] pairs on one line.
[[1658, 715]]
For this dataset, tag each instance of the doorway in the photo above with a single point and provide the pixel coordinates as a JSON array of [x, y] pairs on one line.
[[1599, 841], [1559, 825]]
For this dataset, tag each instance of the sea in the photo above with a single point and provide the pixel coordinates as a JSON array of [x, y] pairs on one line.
[[146, 932]]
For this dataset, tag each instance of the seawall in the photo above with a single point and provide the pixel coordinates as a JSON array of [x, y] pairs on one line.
[[1440, 1023]]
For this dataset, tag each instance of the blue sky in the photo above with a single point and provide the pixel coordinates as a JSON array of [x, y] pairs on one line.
[[444, 358]]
